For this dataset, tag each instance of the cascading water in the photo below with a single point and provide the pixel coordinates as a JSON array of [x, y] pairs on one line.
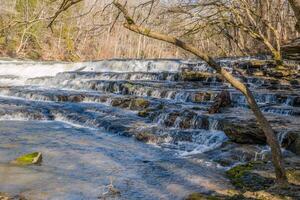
[[146, 99]]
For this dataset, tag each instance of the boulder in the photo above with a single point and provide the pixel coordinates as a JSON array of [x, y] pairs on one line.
[[249, 132], [34, 158], [292, 142], [244, 132], [296, 101], [222, 100]]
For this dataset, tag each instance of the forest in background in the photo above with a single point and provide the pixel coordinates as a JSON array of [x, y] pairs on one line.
[[92, 29]]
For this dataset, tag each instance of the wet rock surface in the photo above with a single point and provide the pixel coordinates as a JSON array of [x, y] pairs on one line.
[[244, 132], [184, 110], [221, 101], [180, 100], [255, 180], [292, 141]]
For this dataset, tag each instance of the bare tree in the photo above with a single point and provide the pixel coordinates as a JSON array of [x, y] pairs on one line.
[[235, 16], [296, 7], [269, 133], [84, 30]]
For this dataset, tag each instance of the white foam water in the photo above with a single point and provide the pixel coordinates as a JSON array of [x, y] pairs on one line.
[[205, 141], [31, 69]]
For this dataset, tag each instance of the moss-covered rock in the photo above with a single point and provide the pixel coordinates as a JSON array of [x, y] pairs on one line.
[[243, 178], [127, 88], [145, 137], [120, 102], [151, 111], [139, 104], [197, 76], [144, 113], [34, 158], [198, 196], [293, 176], [236, 173]]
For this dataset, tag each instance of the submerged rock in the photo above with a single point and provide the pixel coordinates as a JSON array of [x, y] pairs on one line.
[[34, 158], [243, 177]]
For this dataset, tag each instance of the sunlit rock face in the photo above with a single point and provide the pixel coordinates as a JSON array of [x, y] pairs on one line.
[[164, 103]]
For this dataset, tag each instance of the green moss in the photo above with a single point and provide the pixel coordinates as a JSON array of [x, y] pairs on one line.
[[239, 171], [198, 196], [29, 159], [236, 174], [243, 177], [129, 86], [293, 175], [141, 103], [143, 113]]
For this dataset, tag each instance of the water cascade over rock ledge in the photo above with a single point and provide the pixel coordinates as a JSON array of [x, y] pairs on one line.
[[164, 103]]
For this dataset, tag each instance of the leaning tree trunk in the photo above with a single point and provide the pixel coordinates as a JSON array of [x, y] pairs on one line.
[[296, 7], [265, 125]]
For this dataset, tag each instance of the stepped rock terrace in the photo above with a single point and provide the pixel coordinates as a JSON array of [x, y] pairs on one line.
[[82, 111]]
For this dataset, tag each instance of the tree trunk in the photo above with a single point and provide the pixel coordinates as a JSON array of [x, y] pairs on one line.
[[268, 131], [296, 7]]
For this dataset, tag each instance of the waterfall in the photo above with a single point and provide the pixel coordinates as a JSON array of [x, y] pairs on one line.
[[101, 95]]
